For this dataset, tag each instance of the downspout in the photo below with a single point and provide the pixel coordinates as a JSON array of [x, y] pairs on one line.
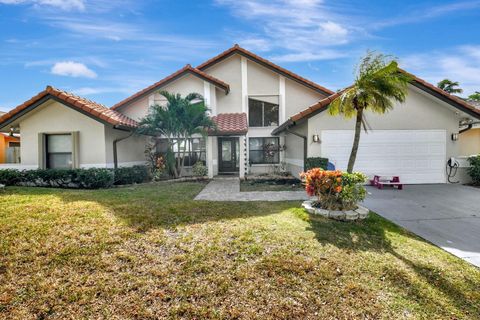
[[115, 156], [470, 126], [305, 145]]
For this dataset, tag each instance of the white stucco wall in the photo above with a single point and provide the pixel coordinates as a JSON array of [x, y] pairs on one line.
[[261, 81], [53, 117], [229, 71], [130, 151], [299, 97], [294, 152]]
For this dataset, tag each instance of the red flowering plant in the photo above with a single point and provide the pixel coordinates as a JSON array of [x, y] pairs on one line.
[[335, 190]]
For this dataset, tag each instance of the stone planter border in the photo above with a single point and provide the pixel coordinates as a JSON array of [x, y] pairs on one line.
[[348, 215]]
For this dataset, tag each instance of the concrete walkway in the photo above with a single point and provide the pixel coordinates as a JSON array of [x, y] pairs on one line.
[[228, 189], [447, 215]]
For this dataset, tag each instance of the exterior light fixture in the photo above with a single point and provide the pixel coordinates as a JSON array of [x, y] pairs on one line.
[[316, 138], [454, 136], [12, 129]]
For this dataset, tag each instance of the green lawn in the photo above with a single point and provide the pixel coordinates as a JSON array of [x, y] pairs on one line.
[[246, 186], [152, 252]]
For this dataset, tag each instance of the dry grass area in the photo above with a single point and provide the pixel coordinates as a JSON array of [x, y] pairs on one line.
[[151, 252]]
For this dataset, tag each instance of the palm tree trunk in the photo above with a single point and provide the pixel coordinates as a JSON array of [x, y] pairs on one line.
[[356, 140]]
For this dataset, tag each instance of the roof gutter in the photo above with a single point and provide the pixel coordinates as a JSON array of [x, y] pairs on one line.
[[284, 126]]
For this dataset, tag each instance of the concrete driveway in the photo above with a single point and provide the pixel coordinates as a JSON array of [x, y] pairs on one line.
[[444, 214]]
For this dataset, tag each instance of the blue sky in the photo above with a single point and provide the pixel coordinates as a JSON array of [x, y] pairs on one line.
[[106, 50]]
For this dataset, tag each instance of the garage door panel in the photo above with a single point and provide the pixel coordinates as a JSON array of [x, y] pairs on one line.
[[418, 156]]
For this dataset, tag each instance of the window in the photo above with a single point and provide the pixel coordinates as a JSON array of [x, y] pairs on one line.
[[264, 150], [262, 113], [58, 151], [14, 144], [194, 148]]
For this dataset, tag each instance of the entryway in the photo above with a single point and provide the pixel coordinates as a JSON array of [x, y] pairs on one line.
[[228, 155]]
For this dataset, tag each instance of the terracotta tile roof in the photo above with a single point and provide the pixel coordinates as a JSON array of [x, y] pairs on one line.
[[323, 104], [96, 110], [230, 124], [187, 69], [473, 103], [289, 74], [456, 101]]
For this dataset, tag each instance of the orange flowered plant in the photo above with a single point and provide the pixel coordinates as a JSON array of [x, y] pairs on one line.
[[335, 189]]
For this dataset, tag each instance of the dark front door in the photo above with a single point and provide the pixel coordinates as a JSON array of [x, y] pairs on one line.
[[228, 154]]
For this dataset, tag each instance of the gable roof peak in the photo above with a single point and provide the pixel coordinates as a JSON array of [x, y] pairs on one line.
[[172, 77], [236, 49], [91, 108]]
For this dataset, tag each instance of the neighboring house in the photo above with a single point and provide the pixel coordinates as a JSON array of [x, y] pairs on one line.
[[9, 148], [257, 106]]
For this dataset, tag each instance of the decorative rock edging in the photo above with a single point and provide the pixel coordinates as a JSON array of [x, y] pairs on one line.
[[348, 215]]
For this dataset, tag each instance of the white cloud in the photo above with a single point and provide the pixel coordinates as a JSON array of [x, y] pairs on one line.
[[67, 5], [309, 56], [422, 14], [88, 91], [72, 69], [302, 28], [460, 64]]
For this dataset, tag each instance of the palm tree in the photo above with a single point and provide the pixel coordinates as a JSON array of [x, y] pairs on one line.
[[179, 120], [379, 82], [449, 86], [474, 96]]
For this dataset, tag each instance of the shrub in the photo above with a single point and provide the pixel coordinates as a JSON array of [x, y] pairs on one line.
[[92, 178], [316, 162], [335, 190], [474, 169], [130, 175], [9, 177], [199, 169]]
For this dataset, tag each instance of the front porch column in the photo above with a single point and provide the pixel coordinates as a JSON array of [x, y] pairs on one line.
[[210, 156], [243, 156]]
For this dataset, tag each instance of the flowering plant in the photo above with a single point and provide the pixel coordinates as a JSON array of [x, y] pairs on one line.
[[335, 190]]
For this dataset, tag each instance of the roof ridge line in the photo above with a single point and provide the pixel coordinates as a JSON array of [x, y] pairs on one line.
[[254, 56]]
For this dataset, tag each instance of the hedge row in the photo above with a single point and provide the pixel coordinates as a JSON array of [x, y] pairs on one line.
[[316, 162], [474, 170], [93, 178]]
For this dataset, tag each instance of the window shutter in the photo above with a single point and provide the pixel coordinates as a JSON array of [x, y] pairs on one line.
[[41, 151], [75, 149]]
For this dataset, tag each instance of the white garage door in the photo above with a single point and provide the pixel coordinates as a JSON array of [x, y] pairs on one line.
[[417, 156]]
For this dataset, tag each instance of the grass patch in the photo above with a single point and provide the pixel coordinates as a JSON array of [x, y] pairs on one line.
[[152, 252], [247, 186]]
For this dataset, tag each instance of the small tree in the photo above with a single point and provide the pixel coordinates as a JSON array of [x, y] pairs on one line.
[[449, 86], [179, 120], [378, 83]]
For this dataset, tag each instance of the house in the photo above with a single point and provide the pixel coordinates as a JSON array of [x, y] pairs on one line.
[[256, 105], [60, 129]]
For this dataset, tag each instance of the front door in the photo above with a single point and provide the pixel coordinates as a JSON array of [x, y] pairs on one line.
[[228, 154]]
